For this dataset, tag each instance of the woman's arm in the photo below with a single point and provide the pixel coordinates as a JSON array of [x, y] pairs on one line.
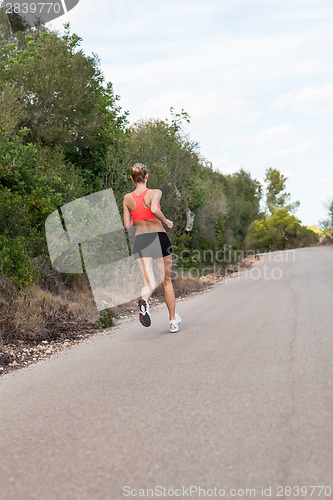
[[128, 220], [157, 211]]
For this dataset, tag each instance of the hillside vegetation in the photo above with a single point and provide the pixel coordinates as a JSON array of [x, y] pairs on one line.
[[63, 135]]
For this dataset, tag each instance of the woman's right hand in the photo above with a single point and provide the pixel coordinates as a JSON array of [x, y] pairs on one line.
[[169, 224]]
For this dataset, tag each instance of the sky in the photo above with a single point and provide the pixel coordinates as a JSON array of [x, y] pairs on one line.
[[255, 76]]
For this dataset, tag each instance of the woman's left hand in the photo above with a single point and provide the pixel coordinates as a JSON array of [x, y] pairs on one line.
[[169, 224]]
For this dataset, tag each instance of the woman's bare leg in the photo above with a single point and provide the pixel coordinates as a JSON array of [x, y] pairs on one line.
[[164, 266], [146, 267]]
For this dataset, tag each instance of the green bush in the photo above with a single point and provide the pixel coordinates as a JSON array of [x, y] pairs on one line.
[[278, 232], [106, 318], [15, 261]]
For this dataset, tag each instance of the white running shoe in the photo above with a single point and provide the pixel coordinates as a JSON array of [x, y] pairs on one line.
[[174, 323]]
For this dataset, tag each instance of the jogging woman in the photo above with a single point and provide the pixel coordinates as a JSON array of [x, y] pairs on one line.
[[142, 208]]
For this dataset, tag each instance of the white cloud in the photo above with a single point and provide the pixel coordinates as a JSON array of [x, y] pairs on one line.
[[272, 156], [223, 108], [324, 180], [244, 61], [278, 133], [224, 164], [310, 100]]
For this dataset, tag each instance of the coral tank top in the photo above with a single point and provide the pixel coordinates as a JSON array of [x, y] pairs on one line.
[[141, 212]]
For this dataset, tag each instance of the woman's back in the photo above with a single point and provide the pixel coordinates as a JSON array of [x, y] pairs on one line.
[[140, 207]]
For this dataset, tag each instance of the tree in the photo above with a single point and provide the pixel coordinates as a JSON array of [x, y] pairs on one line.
[[175, 167], [64, 97], [38, 129], [279, 232], [279, 229], [327, 224], [243, 201], [276, 196]]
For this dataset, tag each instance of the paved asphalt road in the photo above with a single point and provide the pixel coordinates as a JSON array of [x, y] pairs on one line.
[[241, 398]]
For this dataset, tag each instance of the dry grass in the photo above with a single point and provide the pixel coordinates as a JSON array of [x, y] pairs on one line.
[[37, 314]]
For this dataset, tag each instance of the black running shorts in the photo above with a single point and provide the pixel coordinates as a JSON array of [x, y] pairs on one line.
[[155, 245]]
